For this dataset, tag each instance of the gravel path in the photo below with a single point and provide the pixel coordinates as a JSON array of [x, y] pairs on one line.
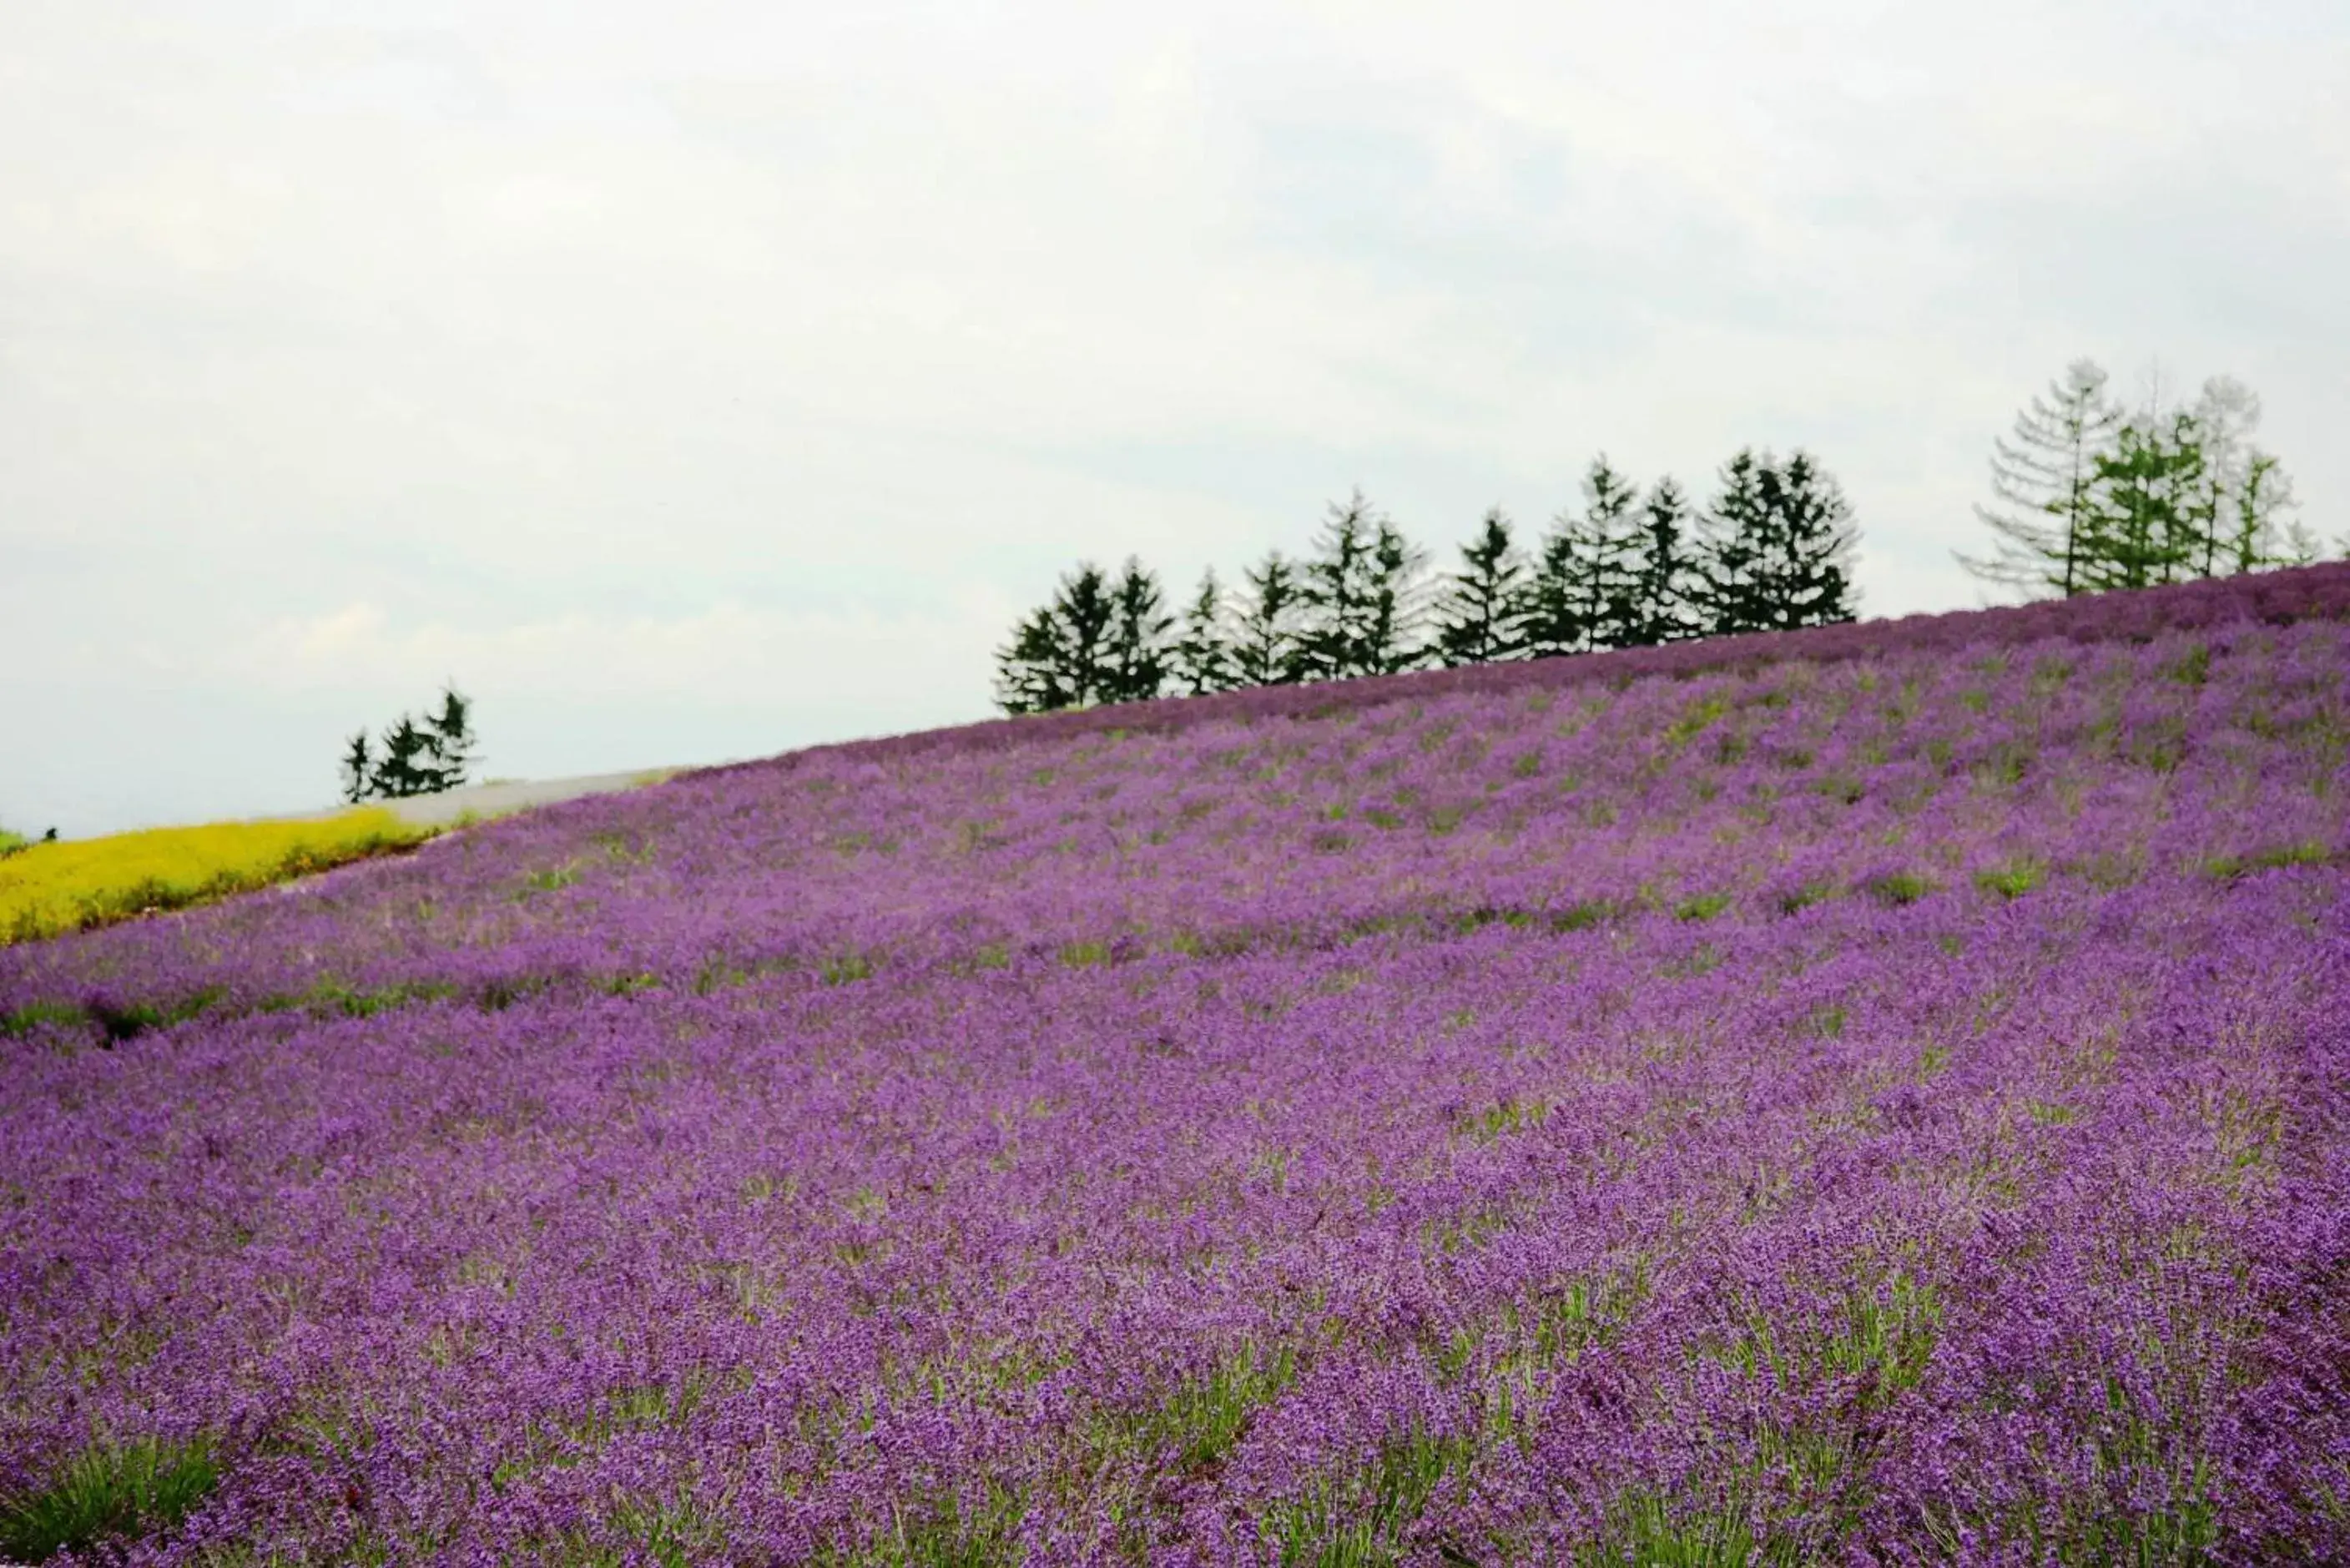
[[514, 795]]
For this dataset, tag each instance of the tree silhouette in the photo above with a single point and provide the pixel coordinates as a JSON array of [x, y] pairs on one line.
[[1774, 554], [1200, 658], [1665, 571], [1267, 645], [1476, 615], [1055, 657], [1134, 646], [358, 767], [1358, 590]]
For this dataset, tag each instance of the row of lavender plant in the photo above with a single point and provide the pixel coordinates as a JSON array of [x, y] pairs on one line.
[[1889, 1108], [1755, 787]]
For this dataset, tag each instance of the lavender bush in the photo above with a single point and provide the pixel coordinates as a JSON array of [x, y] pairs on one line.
[[1876, 1096]]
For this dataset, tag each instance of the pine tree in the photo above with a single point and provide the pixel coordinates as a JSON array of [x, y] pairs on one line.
[[1612, 533], [1200, 658], [1585, 584], [2045, 482], [1477, 613], [1032, 669], [1134, 647], [1268, 647], [1664, 573], [1359, 594], [1733, 591], [358, 768], [2142, 531], [1394, 595], [1777, 546], [1056, 656], [450, 731], [406, 767]]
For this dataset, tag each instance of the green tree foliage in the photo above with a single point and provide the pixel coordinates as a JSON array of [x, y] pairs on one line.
[[2092, 498], [1776, 551], [1666, 574], [453, 742], [1585, 588], [1478, 609], [2258, 533], [1134, 651], [1056, 655], [1268, 644], [2142, 530], [1200, 658], [1359, 590], [358, 767], [1623, 570], [417, 758]]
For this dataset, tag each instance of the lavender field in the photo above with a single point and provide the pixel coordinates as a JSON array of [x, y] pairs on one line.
[[1881, 1096]]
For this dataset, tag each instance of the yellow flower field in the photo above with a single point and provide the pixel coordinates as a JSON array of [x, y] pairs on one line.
[[49, 889]]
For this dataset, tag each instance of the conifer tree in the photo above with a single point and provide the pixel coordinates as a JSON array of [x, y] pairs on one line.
[[449, 735], [1613, 538], [1733, 591], [1032, 669], [1555, 608], [1359, 593], [1134, 647], [1201, 655], [1267, 647], [406, 767], [1396, 601], [1477, 614], [1055, 657], [1812, 569], [2044, 482], [358, 768], [1664, 570], [1585, 582], [1775, 552]]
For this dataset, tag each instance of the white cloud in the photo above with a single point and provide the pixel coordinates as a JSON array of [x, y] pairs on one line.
[[602, 345]]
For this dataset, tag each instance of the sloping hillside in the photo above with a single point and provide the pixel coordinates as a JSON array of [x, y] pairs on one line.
[[1879, 1095]]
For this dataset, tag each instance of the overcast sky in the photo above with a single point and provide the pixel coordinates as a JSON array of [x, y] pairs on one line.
[[701, 379]]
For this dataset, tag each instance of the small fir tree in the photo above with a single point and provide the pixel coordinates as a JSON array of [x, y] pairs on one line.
[[358, 767], [1134, 647], [1056, 658], [407, 767], [1775, 556], [1476, 617], [1200, 658], [1032, 669], [1585, 581], [450, 729], [1665, 572], [1733, 595], [1359, 595], [1267, 647], [1612, 533]]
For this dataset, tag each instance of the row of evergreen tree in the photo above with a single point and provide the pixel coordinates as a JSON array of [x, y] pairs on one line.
[[2092, 495], [1771, 551], [419, 756]]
